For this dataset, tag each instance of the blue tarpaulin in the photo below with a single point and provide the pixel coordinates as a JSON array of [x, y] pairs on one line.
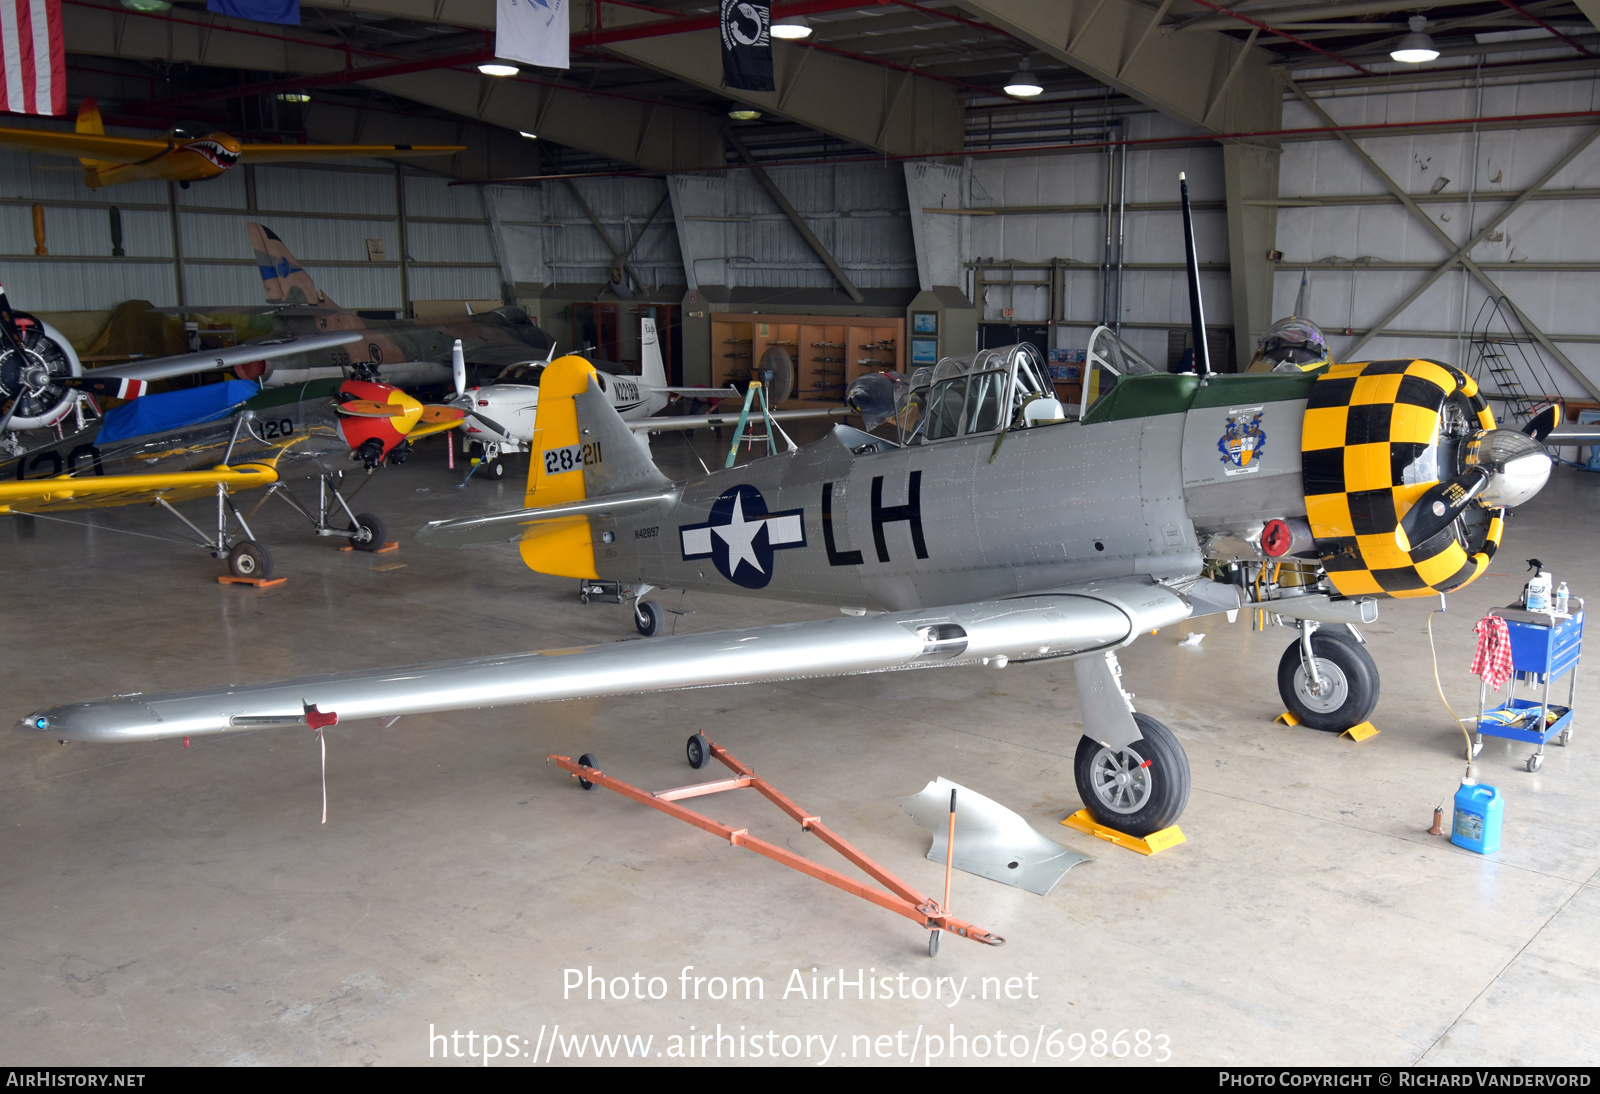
[[171, 409]]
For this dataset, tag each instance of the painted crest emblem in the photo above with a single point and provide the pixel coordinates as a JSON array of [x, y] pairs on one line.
[[1243, 441], [741, 536]]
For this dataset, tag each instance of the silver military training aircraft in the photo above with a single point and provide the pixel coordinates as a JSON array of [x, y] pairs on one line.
[[994, 534]]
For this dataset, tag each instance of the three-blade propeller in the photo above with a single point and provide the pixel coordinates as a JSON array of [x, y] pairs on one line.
[[1439, 507]]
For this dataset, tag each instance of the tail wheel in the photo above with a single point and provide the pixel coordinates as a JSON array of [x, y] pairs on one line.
[[249, 559], [1139, 789], [648, 617], [368, 533], [1346, 689]]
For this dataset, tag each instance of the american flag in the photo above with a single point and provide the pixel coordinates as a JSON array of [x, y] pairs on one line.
[[34, 79]]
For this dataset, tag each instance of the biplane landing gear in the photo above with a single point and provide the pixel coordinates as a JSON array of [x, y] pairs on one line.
[[364, 530], [1327, 679], [367, 535], [1139, 789], [250, 559]]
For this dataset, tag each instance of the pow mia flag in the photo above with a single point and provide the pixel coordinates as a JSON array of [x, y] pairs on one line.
[[747, 45]]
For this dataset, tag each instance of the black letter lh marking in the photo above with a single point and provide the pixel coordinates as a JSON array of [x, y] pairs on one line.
[[910, 512]]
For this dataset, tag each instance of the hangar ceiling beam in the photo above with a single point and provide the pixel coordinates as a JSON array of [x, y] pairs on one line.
[[898, 113], [1122, 44], [655, 136]]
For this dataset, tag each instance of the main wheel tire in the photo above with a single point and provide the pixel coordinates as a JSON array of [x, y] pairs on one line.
[[1349, 683], [648, 617], [698, 751], [1139, 789], [368, 534], [249, 559], [589, 760]]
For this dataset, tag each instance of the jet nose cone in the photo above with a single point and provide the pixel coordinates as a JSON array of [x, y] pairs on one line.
[[1518, 466]]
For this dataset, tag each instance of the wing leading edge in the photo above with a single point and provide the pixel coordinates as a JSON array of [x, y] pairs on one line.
[[1096, 617]]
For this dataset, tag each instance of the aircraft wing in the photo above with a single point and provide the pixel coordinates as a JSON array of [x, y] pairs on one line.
[[163, 368], [86, 491], [1093, 617], [84, 145], [717, 421], [1573, 433], [299, 153]]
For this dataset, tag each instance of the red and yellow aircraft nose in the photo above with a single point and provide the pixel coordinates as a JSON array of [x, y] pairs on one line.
[[371, 412]]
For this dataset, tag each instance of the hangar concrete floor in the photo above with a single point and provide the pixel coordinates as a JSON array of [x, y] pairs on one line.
[[165, 905]]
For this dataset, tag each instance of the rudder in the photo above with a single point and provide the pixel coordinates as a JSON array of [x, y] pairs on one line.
[[284, 280]]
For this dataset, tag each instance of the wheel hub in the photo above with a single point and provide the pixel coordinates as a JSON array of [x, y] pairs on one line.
[[1330, 691], [1120, 780]]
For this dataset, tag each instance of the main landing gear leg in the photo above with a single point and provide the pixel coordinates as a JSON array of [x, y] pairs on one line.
[[1131, 772], [246, 557], [365, 531]]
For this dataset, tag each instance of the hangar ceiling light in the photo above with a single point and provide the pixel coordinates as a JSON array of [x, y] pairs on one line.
[[146, 5], [1023, 84], [497, 68], [744, 114], [791, 26], [1416, 47]]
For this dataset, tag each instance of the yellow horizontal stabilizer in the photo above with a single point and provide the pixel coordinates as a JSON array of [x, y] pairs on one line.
[[93, 146], [285, 153]]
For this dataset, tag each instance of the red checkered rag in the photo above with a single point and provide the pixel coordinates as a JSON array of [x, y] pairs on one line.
[[1493, 659]]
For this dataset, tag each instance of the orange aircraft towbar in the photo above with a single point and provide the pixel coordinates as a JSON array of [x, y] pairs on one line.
[[901, 898]]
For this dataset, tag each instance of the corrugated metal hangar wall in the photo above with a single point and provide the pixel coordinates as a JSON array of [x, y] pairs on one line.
[[325, 216], [1023, 236]]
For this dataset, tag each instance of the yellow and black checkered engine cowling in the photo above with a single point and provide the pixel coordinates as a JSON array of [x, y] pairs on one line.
[[1369, 450]]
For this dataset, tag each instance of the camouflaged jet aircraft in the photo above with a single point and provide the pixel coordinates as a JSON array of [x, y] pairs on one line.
[[1001, 531], [398, 351]]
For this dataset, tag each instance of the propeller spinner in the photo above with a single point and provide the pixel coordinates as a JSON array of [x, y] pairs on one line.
[[1502, 468]]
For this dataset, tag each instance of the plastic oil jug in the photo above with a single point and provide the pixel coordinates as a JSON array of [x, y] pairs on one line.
[[1477, 819]]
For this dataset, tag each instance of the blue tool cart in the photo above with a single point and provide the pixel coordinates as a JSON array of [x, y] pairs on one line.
[[1543, 648]]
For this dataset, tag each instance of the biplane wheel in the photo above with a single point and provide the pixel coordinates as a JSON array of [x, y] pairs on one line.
[[1138, 789], [1349, 682], [588, 759], [249, 559], [648, 617], [368, 533], [698, 751]]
